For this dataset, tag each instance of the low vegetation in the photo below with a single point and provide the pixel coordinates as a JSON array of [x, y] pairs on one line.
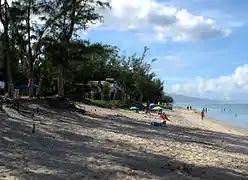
[[105, 104]]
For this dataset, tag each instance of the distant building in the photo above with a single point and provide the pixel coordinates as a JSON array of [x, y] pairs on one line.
[[2, 84], [111, 80], [94, 88]]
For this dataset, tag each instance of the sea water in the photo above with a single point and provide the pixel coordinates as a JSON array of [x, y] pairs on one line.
[[236, 114]]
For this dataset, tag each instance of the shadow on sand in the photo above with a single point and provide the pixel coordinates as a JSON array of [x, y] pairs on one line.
[[54, 153]]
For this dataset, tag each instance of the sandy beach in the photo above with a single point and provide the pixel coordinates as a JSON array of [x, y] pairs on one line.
[[118, 144]]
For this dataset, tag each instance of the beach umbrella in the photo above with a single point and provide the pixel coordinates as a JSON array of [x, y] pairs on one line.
[[151, 106], [134, 108], [25, 86], [157, 108]]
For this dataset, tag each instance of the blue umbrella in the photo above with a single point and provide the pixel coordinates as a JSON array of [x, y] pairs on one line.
[[134, 108], [151, 106], [25, 86]]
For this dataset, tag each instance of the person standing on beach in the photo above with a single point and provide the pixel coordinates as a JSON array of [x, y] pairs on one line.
[[202, 114]]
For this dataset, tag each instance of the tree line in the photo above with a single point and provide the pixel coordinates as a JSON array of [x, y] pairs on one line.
[[39, 43]]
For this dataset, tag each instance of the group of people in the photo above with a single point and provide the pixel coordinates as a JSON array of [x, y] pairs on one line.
[[204, 110], [189, 108]]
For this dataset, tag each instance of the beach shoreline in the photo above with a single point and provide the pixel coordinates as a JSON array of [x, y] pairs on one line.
[[210, 122], [230, 114], [118, 144]]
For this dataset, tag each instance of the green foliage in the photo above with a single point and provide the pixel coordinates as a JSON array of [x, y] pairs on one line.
[[106, 104], [105, 88], [52, 54]]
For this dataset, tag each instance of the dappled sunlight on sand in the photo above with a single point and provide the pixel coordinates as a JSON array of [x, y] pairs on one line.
[[118, 144]]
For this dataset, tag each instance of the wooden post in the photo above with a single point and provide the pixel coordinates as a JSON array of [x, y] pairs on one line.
[[33, 130]]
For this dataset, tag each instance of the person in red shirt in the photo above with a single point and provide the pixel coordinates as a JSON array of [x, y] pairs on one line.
[[164, 118]]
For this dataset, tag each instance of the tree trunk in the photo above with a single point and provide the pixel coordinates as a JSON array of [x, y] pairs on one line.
[[83, 95], [66, 39], [10, 82], [6, 56], [114, 96], [31, 81], [30, 58], [61, 92], [40, 84], [124, 98]]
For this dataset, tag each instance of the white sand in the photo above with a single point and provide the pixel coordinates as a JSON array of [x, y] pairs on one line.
[[119, 144]]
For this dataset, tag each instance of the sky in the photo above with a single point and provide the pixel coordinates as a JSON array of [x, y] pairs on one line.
[[200, 45]]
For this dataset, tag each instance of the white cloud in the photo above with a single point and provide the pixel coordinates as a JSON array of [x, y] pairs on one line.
[[165, 21], [152, 37], [233, 87]]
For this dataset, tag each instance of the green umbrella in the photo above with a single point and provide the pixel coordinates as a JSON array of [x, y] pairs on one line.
[[157, 108]]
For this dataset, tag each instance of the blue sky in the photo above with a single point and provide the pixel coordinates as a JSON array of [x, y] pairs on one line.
[[201, 45]]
